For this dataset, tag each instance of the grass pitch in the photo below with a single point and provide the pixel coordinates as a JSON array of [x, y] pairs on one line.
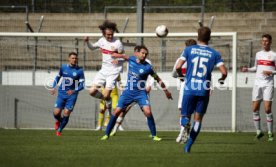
[[19, 148]]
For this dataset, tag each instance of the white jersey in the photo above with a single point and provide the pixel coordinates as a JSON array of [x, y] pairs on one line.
[[265, 61], [150, 79], [183, 68], [107, 48]]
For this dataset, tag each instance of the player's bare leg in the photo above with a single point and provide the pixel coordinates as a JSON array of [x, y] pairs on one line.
[[257, 118], [94, 91], [269, 119], [108, 99]]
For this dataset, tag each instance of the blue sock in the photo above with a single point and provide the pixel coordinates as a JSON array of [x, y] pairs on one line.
[[195, 130], [111, 124], [57, 117], [63, 123], [193, 134], [151, 125], [184, 121]]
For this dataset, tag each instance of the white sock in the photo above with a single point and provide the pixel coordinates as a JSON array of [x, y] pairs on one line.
[[182, 129], [269, 121], [118, 123], [257, 120], [108, 105]]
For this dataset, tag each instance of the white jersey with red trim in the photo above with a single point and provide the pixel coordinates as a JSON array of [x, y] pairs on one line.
[[183, 68], [265, 61], [107, 48]]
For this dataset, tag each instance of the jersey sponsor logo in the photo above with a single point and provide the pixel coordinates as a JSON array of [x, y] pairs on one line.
[[134, 74], [74, 74], [141, 71], [266, 63], [105, 51], [201, 52]]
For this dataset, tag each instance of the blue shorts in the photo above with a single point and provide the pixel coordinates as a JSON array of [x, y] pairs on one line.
[[128, 97], [66, 101], [191, 104]]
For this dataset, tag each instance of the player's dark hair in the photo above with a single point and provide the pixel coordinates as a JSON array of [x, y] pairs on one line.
[[143, 47], [137, 48], [204, 34], [72, 53], [190, 42], [268, 36], [108, 25]]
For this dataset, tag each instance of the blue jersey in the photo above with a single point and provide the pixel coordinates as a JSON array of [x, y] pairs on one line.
[[138, 74], [201, 60], [72, 78]]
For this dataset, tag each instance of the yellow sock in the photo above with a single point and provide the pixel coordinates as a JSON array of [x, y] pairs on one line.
[[107, 118], [100, 119]]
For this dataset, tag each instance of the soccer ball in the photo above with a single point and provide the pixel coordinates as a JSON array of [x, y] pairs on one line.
[[161, 31]]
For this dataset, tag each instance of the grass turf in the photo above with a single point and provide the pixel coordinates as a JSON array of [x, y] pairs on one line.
[[131, 149]]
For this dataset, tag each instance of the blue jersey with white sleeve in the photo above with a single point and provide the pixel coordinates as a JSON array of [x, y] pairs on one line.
[[201, 60], [72, 79]]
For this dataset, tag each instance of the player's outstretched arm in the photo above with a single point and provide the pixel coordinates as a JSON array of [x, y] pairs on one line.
[[163, 86], [120, 56], [251, 69], [90, 45], [223, 72]]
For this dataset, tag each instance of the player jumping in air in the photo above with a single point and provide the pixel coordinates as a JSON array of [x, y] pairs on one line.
[[263, 88], [72, 82], [201, 59], [109, 72]]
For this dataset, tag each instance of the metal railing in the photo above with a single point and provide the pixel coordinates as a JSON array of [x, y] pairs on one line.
[[88, 6], [201, 7]]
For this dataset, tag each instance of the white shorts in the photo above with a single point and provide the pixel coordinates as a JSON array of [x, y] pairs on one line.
[[180, 96], [105, 80], [262, 93]]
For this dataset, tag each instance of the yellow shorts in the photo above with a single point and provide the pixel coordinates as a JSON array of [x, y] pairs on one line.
[[115, 97]]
